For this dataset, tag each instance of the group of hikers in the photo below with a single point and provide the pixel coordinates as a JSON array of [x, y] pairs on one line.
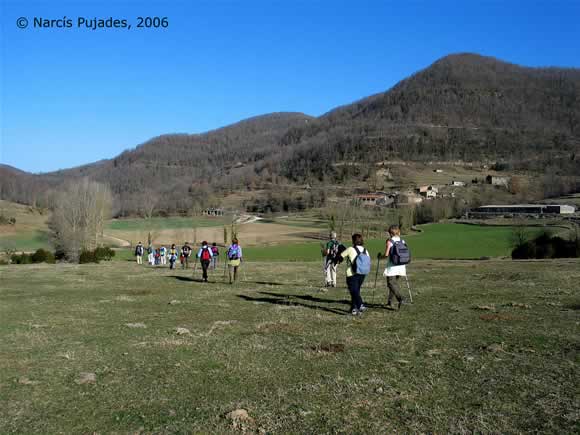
[[207, 255], [358, 266], [356, 258]]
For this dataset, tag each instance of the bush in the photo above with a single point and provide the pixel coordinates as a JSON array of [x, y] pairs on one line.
[[20, 259], [88, 257], [104, 253], [545, 246], [59, 255], [42, 256]]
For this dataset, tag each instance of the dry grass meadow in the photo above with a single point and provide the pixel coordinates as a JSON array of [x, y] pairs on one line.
[[487, 347]]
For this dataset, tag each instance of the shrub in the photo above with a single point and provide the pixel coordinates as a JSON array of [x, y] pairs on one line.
[[20, 259], [104, 253], [545, 246], [59, 255], [42, 256], [88, 257]]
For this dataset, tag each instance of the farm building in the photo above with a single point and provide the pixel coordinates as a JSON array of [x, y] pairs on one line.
[[213, 212], [521, 209], [458, 183], [374, 199], [428, 192], [497, 181]]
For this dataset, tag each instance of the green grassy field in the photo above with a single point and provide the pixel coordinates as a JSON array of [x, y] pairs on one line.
[[25, 241], [94, 349], [169, 223], [443, 241]]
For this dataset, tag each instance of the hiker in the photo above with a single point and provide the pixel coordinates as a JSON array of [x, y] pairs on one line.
[[186, 252], [172, 256], [157, 257], [205, 255], [215, 254], [163, 252], [330, 253], [394, 267], [139, 253], [234, 254], [358, 263], [151, 255]]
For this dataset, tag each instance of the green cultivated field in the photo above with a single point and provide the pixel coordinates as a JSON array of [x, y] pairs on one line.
[[443, 241], [25, 241], [488, 347]]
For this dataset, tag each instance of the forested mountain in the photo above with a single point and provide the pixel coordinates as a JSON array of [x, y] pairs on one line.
[[463, 107]]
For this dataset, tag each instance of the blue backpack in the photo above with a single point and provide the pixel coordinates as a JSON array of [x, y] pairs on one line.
[[362, 263]]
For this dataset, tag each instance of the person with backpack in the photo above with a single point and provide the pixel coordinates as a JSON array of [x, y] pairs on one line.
[[151, 255], [358, 262], [398, 256], [234, 254], [330, 252], [139, 253], [172, 256], [215, 254], [163, 253], [157, 257], [205, 255], [186, 252]]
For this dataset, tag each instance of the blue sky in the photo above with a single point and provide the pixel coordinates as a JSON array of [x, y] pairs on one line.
[[73, 96]]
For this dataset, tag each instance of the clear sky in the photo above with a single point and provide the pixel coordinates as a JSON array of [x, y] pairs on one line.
[[71, 96]]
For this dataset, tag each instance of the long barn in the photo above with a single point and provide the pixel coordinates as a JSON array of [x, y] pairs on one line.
[[522, 209]]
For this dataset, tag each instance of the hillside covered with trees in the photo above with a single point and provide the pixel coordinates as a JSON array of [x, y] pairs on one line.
[[464, 107]]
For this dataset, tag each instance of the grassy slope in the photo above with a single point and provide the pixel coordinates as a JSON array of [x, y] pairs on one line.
[[289, 354], [30, 231]]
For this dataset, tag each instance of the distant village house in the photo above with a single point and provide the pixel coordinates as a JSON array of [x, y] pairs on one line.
[[376, 199], [458, 183], [497, 181], [428, 192]]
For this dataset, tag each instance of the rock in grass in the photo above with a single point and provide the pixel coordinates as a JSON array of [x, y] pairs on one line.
[[174, 302], [494, 348], [182, 331], [240, 418], [136, 325], [485, 307], [23, 380], [86, 378], [518, 305]]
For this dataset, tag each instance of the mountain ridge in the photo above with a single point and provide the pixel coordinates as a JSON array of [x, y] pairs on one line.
[[462, 107]]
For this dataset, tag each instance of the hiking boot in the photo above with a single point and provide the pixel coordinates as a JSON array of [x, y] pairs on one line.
[[355, 312], [401, 302], [389, 306], [363, 308]]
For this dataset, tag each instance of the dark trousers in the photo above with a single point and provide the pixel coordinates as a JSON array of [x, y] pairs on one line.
[[204, 267], [354, 283], [393, 285]]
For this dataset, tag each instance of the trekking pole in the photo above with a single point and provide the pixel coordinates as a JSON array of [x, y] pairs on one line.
[[225, 268], [376, 275], [194, 267], [244, 271], [409, 287]]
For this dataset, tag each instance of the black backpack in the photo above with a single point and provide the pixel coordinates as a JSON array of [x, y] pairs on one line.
[[399, 253]]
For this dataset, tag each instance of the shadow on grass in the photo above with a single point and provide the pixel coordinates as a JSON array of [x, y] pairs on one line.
[[311, 298], [285, 300], [185, 278]]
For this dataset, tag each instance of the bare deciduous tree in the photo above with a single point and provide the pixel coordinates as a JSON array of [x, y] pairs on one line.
[[79, 216]]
